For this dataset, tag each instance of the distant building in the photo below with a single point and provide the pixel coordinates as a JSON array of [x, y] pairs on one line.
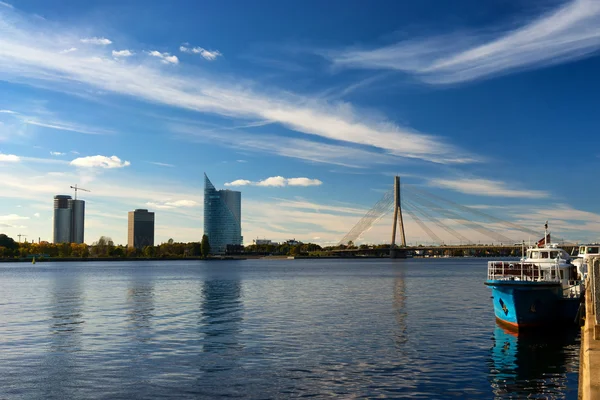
[[78, 221], [293, 242], [259, 242], [222, 217], [63, 219], [69, 220], [140, 229]]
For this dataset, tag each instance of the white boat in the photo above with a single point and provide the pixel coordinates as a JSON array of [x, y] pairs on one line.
[[586, 252], [542, 288]]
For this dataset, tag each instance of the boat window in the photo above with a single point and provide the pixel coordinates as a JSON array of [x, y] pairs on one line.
[[553, 254], [582, 250], [562, 275], [544, 254], [592, 250], [535, 254]]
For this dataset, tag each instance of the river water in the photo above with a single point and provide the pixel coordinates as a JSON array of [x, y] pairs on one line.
[[421, 328]]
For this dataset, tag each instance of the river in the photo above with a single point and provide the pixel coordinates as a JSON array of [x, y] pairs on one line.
[[418, 328]]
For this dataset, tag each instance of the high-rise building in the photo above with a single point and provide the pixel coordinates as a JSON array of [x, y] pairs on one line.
[[140, 229], [78, 220], [69, 219], [63, 219], [222, 217]]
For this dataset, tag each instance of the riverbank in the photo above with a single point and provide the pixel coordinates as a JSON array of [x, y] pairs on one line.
[[92, 259]]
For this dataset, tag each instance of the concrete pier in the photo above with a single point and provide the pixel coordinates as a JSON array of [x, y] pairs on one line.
[[589, 362]]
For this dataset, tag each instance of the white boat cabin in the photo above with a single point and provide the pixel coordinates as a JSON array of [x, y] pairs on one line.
[[549, 254]]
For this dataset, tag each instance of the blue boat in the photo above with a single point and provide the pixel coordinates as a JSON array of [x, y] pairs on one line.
[[543, 288]]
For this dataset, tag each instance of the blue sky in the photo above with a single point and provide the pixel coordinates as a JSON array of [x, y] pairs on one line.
[[308, 108]]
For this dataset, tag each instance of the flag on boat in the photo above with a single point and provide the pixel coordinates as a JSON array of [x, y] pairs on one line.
[[542, 241]]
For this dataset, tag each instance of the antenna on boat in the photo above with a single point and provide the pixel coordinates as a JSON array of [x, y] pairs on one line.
[[546, 234]]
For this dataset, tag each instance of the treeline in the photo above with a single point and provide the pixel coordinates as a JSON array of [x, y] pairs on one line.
[[283, 249], [104, 247]]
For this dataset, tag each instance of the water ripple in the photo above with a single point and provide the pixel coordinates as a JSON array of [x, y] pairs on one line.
[[268, 330]]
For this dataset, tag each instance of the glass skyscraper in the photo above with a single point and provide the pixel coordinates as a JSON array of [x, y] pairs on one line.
[[222, 217]]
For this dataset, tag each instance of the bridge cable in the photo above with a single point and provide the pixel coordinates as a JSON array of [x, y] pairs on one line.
[[438, 222], [509, 224], [382, 207], [460, 219], [429, 232]]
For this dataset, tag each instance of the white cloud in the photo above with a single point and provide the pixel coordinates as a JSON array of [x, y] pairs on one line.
[[239, 182], [274, 181], [56, 153], [28, 51], [209, 55], [12, 217], [277, 181], [165, 58], [102, 41], [100, 162], [570, 32], [484, 187], [122, 53], [74, 152], [241, 161], [37, 215], [172, 204], [69, 50], [2, 3], [303, 182], [9, 158], [8, 112]]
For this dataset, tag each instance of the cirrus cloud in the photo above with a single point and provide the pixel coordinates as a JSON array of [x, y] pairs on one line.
[[167, 205], [486, 187], [100, 162]]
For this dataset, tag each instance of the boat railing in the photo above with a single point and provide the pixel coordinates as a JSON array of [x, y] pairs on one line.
[[524, 271], [573, 290]]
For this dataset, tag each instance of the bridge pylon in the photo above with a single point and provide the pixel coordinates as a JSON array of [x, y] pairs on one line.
[[398, 220]]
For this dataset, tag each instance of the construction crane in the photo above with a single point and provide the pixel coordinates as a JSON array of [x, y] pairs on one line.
[[78, 188], [19, 235]]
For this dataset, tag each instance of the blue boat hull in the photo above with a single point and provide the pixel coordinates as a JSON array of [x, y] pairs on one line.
[[520, 304]]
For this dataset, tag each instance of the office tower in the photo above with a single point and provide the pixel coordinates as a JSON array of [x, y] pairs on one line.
[[222, 217], [140, 229], [78, 220], [69, 219], [63, 219]]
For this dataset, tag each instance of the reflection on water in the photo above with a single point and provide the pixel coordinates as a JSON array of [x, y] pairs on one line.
[[63, 361], [533, 363], [400, 309], [140, 297], [221, 315]]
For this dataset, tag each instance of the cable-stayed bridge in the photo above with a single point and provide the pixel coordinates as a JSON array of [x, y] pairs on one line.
[[437, 216]]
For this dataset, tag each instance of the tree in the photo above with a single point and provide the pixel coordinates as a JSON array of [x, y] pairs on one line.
[[205, 245], [148, 251], [7, 242]]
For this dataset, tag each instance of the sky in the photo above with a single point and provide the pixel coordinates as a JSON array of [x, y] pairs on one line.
[[308, 108]]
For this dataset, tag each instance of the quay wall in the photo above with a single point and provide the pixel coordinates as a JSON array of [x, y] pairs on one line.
[[589, 362]]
